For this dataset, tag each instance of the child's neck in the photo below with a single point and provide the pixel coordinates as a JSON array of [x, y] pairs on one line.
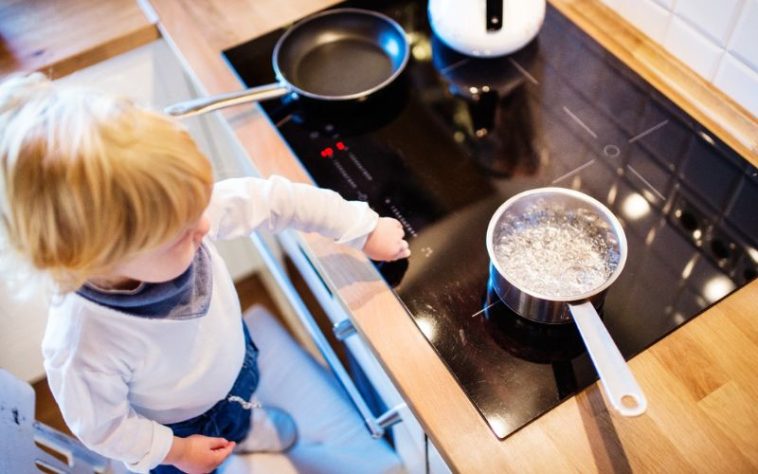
[[113, 283]]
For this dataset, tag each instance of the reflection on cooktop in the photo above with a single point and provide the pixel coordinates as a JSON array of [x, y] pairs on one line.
[[459, 135], [531, 341], [550, 344]]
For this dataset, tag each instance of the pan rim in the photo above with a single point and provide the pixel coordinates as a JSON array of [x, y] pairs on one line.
[[615, 223], [281, 77]]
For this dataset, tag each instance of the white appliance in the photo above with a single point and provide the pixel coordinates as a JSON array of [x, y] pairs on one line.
[[486, 28]]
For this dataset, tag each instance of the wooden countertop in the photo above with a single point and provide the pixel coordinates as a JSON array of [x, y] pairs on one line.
[[58, 37], [701, 381]]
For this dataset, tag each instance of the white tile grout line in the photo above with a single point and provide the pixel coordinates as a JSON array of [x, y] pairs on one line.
[[648, 131], [735, 22], [523, 71], [577, 120], [574, 171], [647, 183]]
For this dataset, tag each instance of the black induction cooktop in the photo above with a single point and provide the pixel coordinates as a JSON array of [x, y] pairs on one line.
[[456, 136]]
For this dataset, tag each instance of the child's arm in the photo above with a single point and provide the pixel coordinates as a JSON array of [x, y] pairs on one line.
[[95, 406], [241, 205]]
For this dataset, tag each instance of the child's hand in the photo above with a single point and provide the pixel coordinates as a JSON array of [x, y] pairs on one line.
[[198, 454], [386, 242]]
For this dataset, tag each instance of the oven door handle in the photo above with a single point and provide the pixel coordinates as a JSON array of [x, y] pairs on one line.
[[376, 426]]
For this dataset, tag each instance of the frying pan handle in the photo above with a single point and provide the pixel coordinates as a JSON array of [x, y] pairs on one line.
[[209, 104], [619, 383]]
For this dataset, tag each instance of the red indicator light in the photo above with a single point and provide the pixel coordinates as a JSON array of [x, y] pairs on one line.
[[341, 146], [327, 152]]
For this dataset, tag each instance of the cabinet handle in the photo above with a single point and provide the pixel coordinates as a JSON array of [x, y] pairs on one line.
[[343, 329], [391, 416], [376, 426]]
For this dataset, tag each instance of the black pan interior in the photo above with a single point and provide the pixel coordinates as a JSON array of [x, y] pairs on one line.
[[343, 54]]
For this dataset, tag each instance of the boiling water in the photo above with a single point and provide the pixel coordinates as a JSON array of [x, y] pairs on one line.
[[554, 252]]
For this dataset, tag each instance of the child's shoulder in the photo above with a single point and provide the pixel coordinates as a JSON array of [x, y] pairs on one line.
[[68, 317], [72, 318], [78, 329]]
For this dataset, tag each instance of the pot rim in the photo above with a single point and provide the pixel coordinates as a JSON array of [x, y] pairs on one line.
[[595, 204], [280, 43]]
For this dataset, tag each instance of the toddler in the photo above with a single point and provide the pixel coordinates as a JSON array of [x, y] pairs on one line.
[[145, 350]]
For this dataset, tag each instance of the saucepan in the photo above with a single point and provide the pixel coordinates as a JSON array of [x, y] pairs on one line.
[[554, 253], [338, 55]]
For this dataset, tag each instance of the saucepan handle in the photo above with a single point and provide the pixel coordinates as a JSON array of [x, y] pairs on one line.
[[209, 104], [619, 383]]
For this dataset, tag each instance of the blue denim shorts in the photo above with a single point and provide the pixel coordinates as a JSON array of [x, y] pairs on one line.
[[227, 419]]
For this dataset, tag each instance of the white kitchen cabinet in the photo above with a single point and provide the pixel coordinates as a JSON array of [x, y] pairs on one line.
[[435, 462]]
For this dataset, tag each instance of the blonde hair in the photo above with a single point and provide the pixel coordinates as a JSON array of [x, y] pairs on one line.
[[89, 180]]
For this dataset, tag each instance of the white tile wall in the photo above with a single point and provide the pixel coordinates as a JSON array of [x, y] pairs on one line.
[[744, 42], [714, 19], [689, 45], [736, 76], [718, 39], [667, 4], [651, 17]]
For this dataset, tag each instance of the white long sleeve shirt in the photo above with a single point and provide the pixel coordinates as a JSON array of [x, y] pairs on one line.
[[119, 378]]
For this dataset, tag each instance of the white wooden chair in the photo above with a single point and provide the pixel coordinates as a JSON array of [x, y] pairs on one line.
[[26, 445]]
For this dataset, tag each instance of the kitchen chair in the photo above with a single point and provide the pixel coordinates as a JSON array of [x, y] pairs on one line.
[[26, 444]]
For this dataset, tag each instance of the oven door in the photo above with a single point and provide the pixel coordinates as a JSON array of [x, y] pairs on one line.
[[366, 384]]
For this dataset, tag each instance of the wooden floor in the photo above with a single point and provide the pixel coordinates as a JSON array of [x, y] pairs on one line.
[[251, 290]]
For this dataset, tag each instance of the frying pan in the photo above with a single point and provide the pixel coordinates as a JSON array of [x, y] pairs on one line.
[[337, 55], [578, 303]]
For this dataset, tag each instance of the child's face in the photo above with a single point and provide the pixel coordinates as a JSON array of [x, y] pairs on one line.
[[169, 260]]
